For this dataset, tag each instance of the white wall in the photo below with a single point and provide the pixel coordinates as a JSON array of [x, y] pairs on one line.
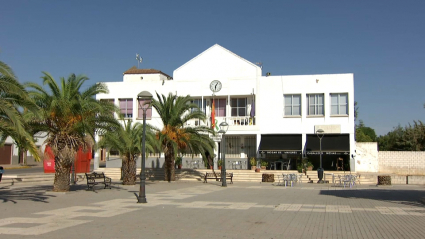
[[366, 159], [271, 102], [240, 77], [270, 98], [215, 62]]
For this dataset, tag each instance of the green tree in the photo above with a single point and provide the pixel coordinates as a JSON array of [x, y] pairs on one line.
[[364, 133], [175, 111], [409, 138], [70, 117], [128, 141], [14, 100], [356, 110]]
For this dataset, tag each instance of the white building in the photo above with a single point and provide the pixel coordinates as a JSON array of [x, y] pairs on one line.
[[9, 152], [271, 117]]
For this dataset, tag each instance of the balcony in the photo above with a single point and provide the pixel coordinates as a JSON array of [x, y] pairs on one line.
[[233, 121]]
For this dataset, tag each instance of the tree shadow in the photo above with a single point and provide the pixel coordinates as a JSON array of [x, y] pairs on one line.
[[34, 193], [405, 197]]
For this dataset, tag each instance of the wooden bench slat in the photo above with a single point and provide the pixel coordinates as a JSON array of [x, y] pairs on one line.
[[91, 180], [217, 177]]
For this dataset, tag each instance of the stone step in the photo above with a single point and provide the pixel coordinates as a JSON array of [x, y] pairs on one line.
[[27, 178], [363, 179], [196, 174]]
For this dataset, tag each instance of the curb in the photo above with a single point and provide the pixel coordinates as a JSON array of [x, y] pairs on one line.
[[422, 200]]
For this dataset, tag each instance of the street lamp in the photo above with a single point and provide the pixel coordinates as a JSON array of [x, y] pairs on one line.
[[223, 129], [320, 133], [145, 98]]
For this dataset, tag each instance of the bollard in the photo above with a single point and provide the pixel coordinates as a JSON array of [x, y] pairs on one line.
[[1, 172]]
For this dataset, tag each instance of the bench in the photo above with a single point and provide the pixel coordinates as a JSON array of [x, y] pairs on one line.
[[92, 177], [217, 177]]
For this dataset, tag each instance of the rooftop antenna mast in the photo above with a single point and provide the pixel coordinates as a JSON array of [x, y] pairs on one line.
[[139, 59]]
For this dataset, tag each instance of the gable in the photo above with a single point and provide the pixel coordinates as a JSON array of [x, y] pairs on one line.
[[216, 63]]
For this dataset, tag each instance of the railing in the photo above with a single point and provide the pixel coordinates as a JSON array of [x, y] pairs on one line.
[[240, 121], [233, 121]]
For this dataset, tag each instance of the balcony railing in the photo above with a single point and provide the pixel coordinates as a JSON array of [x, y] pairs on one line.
[[233, 121]]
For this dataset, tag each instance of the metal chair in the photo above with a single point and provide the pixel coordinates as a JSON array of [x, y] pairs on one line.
[[288, 178], [349, 180], [300, 175], [195, 164], [286, 165], [237, 164]]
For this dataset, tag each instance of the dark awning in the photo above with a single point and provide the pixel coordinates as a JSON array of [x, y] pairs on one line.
[[331, 143], [281, 144]]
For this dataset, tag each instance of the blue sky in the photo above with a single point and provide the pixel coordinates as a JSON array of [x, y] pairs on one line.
[[381, 42]]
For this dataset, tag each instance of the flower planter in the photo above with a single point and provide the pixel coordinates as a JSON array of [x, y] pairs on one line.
[[253, 167], [257, 170]]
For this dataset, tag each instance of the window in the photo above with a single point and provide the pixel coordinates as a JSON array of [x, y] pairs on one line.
[[141, 103], [315, 104], [339, 104], [112, 101], [238, 106], [108, 100], [220, 107], [201, 106], [126, 107], [292, 105]]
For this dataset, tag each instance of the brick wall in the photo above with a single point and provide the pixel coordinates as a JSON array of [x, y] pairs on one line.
[[368, 159], [402, 162]]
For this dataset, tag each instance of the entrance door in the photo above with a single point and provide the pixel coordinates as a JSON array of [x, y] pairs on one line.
[[6, 154]]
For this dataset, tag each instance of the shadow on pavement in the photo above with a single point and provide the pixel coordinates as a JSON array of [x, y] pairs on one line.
[[406, 197], [35, 194]]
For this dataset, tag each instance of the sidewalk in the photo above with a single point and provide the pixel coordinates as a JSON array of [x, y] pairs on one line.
[[198, 210]]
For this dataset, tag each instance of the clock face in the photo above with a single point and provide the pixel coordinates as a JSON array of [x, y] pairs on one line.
[[215, 86]]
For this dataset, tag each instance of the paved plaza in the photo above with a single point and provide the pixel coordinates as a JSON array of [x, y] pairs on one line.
[[197, 210]]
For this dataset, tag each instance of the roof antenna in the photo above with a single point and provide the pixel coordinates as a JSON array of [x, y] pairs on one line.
[[139, 59]]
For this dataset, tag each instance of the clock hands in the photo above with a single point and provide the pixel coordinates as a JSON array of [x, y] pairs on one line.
[[215, 86]]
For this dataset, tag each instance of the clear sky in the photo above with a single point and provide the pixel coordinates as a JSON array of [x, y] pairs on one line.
[[381, 42]]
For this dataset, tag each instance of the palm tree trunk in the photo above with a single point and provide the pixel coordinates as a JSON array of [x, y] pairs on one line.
[[62, 180], [24, 157], [169, 166], [129, 170]]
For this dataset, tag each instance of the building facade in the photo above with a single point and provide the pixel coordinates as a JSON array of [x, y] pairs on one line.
[[269, 117]]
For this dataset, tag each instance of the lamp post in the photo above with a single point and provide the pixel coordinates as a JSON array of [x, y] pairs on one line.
[[146, 97], [320, 133], [223, 129]]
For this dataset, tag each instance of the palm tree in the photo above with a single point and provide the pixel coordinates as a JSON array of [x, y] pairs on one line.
[[127, 140], [69, 116], [14, 100], [175, 111]]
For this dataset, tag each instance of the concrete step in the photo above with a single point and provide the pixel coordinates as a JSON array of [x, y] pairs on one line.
[[363, 178], [29, 178], [197, 174]]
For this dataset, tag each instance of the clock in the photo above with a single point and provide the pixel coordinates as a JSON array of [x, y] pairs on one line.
[[215, 86]]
